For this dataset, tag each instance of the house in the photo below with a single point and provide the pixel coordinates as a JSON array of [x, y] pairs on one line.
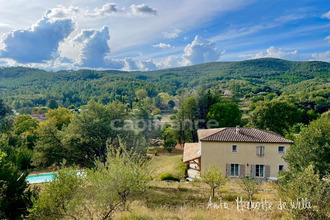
[[39, 117], [239, 152]]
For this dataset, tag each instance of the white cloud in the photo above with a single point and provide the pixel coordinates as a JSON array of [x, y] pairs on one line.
[[169, 62], [172, 34], [322, 56], [200, 51], [143, 9], [147, 65], [107, 9], [94, 47], [276, 52], [162, 45], [287, 18], [326, 15], [327, 38], [40, 42], [130, 64], [62, 12]]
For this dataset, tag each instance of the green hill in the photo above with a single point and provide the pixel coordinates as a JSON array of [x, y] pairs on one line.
[[32, 87]]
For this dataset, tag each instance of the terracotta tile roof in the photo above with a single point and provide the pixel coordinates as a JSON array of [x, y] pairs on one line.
[[191, 151], [246, 135], [202, 133]]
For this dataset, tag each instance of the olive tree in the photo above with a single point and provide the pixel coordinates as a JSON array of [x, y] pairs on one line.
[[214, 178], [250, 186]]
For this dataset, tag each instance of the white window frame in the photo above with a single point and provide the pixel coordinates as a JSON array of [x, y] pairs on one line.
[[232, 150], [281, 152], [263, 173], [238, 169]]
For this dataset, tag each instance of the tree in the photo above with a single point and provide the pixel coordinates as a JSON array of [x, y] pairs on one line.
[[214, 178], [165, 96], [88, 133], [204, 101], [190, 123], [26, 135], [15, 196], [276, 116], [312, 147], [306, 184], [5, 119], [59, 199], [141, 94], [171, 103], [59, 116], [226, 114], [25, 123], [250, 186], [52, 104], [169, 144], [50, 148], [122, 178], [158, 101]]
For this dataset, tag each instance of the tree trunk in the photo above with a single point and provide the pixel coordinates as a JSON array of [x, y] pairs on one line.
[[213, 191]]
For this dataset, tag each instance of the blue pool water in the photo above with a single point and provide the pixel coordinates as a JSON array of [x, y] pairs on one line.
[[41, 178]]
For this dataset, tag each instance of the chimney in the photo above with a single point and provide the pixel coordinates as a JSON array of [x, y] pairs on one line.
[[237, 129]]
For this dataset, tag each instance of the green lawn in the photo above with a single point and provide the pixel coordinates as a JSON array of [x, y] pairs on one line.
[[165, 162]]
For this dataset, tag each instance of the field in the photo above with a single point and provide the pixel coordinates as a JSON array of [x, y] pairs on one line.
[[190, 200]]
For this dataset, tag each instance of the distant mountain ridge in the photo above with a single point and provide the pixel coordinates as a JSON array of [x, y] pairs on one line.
[[79, 86]]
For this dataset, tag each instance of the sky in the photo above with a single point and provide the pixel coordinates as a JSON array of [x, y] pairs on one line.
[[150, 34]]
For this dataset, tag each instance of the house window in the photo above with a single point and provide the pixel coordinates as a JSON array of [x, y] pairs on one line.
[[234, 148], [281, 149], [234, 169], [260, 151], [280, 168], [260, 170]]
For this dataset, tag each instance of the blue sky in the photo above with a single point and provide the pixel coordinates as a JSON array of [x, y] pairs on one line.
[[150, 34]]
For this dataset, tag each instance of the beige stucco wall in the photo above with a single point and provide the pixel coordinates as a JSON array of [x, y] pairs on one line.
[[220, 153]]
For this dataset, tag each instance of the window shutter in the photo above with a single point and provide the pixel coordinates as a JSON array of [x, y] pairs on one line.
[[228, 170], [253, 171], [242, 170], [262, 150], [267, 171], [258, 151]]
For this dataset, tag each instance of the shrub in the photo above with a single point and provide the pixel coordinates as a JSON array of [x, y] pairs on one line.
[[168, 177], [183, 170], [156, 111], [170, 144]]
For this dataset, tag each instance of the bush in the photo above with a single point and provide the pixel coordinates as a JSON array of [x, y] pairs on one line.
[[183, 170], [156, 111], [168, 177], [170, 144]]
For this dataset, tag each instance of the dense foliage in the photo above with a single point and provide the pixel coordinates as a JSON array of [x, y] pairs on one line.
[[26, 87]]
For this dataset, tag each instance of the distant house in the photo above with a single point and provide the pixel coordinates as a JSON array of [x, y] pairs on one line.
[[39, 117], [239, 152]]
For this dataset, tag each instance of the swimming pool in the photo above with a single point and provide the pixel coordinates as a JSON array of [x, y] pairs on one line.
[[41, 178]]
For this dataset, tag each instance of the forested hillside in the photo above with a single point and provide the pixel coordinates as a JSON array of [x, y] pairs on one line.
[[27, 87]]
